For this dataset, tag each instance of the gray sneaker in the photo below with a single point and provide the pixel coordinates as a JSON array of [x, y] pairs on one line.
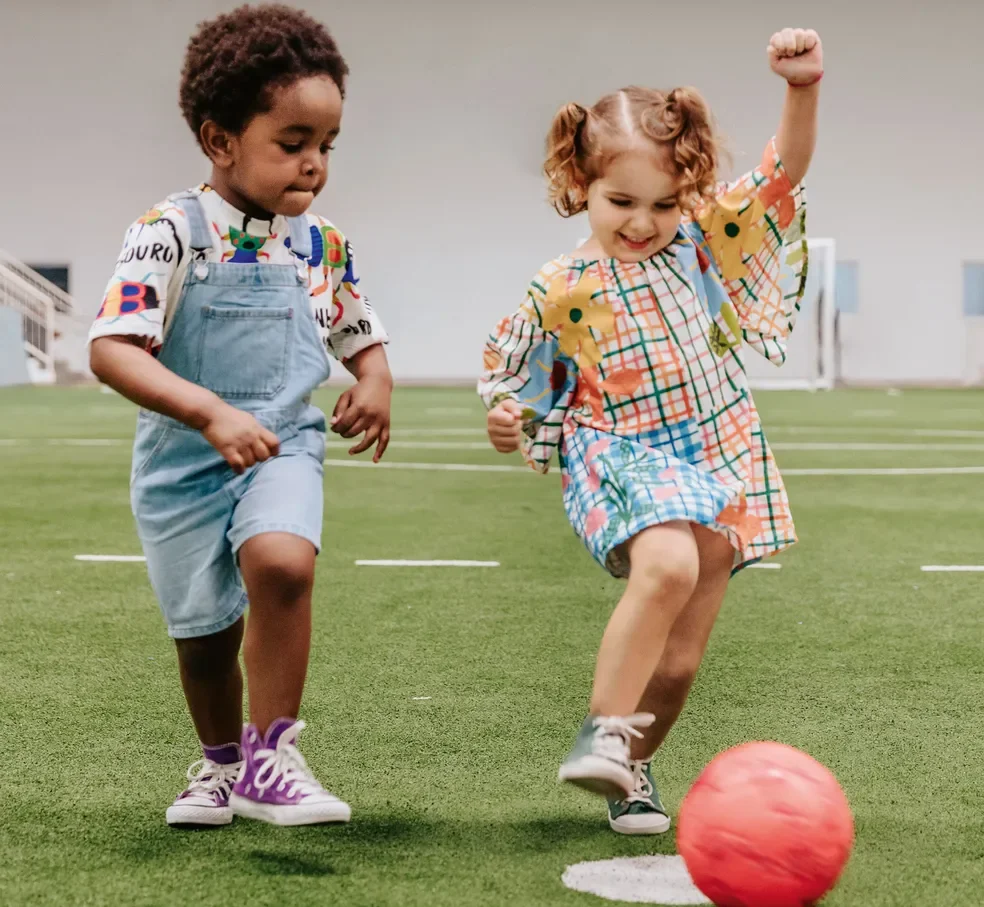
[[641, 812], [599, 760]]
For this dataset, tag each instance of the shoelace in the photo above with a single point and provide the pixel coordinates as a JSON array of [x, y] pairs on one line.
[[642, 787], [613, 733], [207, 777], [286, 764]]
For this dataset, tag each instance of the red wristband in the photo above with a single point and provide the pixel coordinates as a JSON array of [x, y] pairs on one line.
[[805, 84]]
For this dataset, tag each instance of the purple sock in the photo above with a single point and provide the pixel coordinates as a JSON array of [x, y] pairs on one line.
[[225, 754]]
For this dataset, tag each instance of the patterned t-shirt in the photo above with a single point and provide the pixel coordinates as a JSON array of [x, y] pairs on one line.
[[151, 270]]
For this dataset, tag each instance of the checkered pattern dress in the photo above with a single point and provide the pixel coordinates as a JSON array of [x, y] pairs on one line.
[[632, 375]]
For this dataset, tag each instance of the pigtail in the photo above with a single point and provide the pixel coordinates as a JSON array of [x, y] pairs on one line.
[[682, 120], [565, 175], [696, 147]]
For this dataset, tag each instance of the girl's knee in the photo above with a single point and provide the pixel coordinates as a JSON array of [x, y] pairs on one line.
[[664, 561], [678, 670], [715, 552]]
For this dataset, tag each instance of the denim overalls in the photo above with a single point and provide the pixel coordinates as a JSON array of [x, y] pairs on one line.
[[246, 332]]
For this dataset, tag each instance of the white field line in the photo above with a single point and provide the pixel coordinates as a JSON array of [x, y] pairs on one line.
[[966, 568], [413, 433], [443, 432], [878, 446], [874, 430], [427, 445], [476, 467], [426, 467], [112, 558], [834, 446], [426, 563], [825, 430]]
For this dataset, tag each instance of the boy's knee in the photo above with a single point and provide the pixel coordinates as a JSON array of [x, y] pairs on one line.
[[207, 657], [292, 577], [282, 566]]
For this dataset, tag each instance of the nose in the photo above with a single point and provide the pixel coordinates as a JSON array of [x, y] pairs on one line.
[[643, 224], [313, 165]]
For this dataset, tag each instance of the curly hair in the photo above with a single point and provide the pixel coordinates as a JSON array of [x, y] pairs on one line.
[[583, 140], [235, 61]]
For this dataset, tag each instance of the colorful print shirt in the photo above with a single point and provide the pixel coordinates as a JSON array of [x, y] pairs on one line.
[[151, 270], [634, 348]]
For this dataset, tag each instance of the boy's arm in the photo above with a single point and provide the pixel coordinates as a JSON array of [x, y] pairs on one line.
[[366, 407], [122, 363], [129, 369]]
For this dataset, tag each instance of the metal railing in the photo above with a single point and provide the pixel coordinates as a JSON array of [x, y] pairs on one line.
[[63, 302], [37, 310]]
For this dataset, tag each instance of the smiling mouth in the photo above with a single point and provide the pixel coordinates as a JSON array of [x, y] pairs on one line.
[[636, 244]]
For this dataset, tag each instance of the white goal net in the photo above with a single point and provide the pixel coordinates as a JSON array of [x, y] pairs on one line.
[[811, 352]]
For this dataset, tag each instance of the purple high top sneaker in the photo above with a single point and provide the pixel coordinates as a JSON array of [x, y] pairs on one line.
[[276, 784]]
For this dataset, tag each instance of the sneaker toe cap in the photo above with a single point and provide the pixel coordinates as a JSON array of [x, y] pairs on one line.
[[641, 823]]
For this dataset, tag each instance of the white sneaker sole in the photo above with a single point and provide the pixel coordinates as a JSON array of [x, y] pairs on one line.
[[651, 824], [599, 776], [199, 815], [313, 814]]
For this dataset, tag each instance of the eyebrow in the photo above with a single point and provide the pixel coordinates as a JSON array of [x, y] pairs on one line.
[[307, 130]]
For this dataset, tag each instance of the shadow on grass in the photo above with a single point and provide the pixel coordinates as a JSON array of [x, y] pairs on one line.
[[378, 838]]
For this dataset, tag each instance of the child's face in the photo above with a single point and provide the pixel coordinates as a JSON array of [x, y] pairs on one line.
[[279, 163], [632, 206]]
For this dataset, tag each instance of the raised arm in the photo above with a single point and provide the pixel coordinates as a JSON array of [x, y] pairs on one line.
[[796, 54]]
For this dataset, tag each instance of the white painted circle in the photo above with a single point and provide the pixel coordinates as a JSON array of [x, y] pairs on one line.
[[657, 879]]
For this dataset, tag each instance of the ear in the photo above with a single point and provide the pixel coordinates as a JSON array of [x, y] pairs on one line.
[[219, 144]]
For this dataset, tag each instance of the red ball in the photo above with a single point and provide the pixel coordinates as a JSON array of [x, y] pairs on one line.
[[765, 825]]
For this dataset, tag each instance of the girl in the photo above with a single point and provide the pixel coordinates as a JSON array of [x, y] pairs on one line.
[[216, 322], [625, 358]]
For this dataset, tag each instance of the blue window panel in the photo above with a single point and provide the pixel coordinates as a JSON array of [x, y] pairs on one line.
[[973, 288], [846, 287]]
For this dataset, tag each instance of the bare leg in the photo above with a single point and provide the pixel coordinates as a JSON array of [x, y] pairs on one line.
[[670, 684], [213, 684], [278, 569], [663, 575]]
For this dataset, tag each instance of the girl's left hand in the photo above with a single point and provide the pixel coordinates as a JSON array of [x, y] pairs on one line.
[[796, 54]]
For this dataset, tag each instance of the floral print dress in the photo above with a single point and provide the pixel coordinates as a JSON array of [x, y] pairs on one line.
[[632, 375]]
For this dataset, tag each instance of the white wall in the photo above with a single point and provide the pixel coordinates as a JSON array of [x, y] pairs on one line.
[[437, 174]]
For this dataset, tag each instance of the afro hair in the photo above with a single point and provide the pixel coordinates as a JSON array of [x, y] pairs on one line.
[[235, 61]]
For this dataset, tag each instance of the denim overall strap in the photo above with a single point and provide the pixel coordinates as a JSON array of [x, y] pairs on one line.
[[300, 236], [201, 236]]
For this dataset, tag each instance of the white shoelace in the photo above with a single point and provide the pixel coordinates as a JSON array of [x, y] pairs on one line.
[[613, 733], [208, 777], [642, 787], [286, 764]]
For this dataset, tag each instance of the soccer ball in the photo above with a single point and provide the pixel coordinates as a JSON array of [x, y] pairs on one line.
[[765, 825]]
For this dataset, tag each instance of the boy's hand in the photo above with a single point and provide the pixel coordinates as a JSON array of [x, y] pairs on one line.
[[796, 54], [505, 426], [365, 408], [241, 440]]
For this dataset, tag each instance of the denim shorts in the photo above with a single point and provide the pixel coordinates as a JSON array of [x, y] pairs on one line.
[[193, 514]]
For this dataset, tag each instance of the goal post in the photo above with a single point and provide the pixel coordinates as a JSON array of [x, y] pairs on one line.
[[811, 352]]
